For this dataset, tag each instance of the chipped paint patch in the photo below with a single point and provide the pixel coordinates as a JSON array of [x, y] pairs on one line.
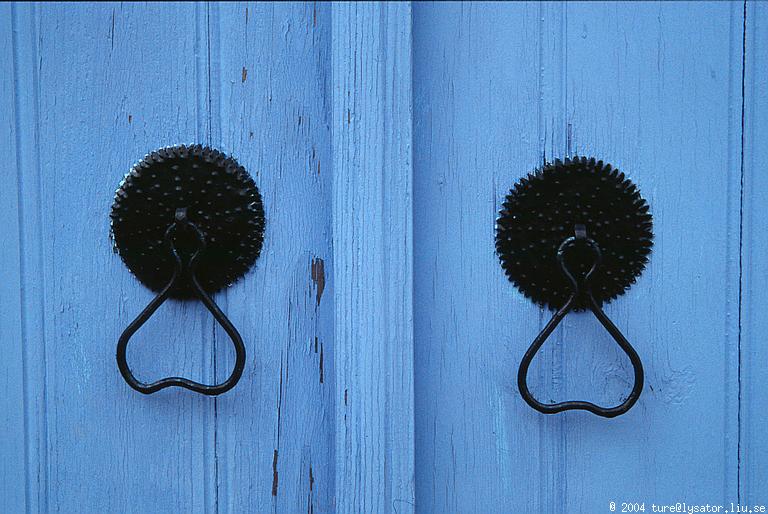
[[318, 277], [322, 371], [274, 473]]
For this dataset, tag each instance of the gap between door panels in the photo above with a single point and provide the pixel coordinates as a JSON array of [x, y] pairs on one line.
[[753, 324], [739, 491]]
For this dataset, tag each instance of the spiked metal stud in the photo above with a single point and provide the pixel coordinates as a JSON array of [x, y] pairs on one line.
[[218, 196], [543, 209]]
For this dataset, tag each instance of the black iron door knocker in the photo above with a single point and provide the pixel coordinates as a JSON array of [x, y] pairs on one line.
[[187, 221], [571, 236]]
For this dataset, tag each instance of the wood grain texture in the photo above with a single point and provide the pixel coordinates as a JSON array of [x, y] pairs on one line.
[[95, 90], [672, 122], [470, 66], [383, 338], [270, 81], [373, 257], [13, 482], [90, 89], [498, 89], [753, 444]]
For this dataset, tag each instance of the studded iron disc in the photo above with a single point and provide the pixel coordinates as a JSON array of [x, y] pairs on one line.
[[541, 211], [221, 200]]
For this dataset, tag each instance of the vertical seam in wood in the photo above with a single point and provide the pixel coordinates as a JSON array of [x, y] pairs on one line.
[[568, 127], [542, 129], [213, 81], [741, 250], [735, 259], [200, 71], [204, 113], [562, 426]]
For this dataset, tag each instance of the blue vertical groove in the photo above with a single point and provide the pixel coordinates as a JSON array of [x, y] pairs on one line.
[[26, 63], [214, 135], [19, 374], [753, 473], [372, 248], [741, 248], [732, 475], [204, 114]]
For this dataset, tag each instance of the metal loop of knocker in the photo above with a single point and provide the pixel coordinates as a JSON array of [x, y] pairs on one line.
[[187, 221], [184, 269], [580, 289]]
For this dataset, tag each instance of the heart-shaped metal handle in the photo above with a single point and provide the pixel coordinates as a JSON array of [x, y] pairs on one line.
[[580, 289], [186, 270]]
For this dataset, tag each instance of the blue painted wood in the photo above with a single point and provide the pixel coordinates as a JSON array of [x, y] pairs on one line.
[[753, 441], [12, 321], [673, 123], [93, 87], [383, 339], [498, 89], [270, 80], [86, 111], [487, 101], [372, 228]]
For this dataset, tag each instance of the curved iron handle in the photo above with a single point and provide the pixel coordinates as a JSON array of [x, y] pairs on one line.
[[188, 271], [580, 288]]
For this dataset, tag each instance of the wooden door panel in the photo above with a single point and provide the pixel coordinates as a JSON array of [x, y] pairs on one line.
[[383, 338], [97, 86], [499, 89]]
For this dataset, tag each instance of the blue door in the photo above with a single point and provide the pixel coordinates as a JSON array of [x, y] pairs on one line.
[[383, 338]]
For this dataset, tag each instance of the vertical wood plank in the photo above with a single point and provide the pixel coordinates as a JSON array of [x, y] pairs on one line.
[[655, 89], [488, 107], [13, 478], [371, 123], [99, 85], [753, 444], [35, 323], [271, 75]]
